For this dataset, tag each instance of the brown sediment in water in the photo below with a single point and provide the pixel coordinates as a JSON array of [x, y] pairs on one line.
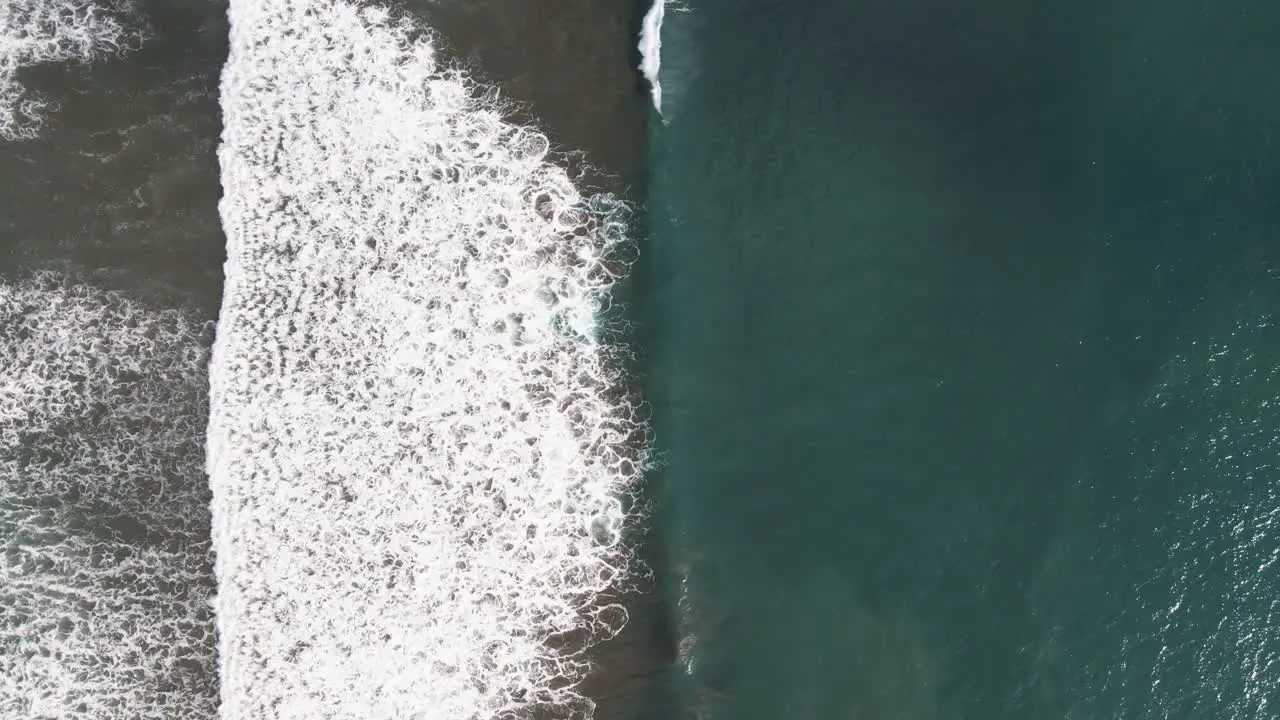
[[568, 67]]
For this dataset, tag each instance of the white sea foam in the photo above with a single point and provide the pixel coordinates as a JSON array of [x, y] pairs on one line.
[[651, 49], [42, 31], [106, 580], [419, 447]]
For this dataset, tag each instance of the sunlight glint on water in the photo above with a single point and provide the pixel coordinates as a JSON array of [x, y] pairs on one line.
[[105, 580]]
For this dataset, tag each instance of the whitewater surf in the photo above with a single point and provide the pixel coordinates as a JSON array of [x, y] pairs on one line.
[[106, 583], [421, 446]]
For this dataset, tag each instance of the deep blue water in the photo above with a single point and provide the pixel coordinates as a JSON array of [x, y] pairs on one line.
[[962, 357]]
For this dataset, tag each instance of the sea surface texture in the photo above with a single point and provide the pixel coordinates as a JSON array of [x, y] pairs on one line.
[[33, 32], [421, 445], [109, 252], [963, 358], [365, 361]]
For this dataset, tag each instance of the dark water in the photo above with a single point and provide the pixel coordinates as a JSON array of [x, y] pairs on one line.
[[962, 357], [103, 506], [122, 180], [567, 66]]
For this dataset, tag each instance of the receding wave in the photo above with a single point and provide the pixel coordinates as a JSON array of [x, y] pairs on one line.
[[420, 447], [43, 31], [106, 579]]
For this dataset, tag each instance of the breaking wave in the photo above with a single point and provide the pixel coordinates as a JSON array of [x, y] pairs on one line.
[[421, 449], [651, 50], [42, 31], [106, 580]]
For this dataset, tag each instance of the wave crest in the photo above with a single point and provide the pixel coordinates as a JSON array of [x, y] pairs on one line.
[[651, 50], [421, 450]]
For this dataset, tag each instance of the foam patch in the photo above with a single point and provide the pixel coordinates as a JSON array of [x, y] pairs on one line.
[[106, 579], [421, 446]]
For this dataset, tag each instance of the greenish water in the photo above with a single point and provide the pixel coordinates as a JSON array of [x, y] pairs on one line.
[[961, 357]]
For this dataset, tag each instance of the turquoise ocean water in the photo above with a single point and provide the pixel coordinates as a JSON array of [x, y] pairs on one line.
[[961, 344]]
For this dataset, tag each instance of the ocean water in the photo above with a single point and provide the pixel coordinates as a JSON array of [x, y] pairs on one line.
[[109, 279], [961, 351], [870, 360]]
